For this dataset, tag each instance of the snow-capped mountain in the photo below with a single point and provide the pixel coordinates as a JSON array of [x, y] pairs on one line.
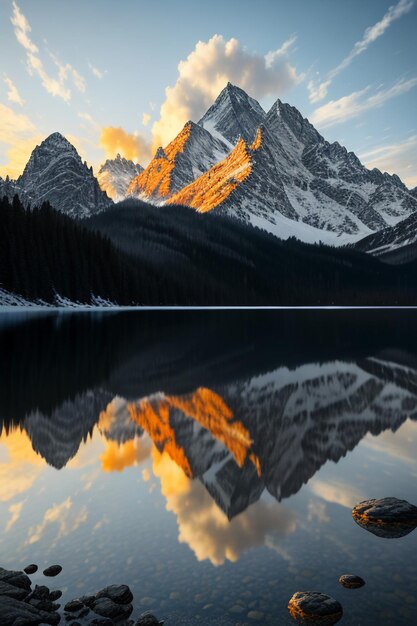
[[55, 172], [291, 181], [395, 244], [191, 153], [115, 175], [233, 115]]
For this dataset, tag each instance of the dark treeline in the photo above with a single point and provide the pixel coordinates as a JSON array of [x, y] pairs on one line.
[[44, 253], [135, 253]]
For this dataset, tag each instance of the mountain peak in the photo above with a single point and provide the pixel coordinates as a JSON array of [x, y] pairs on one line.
[[56, 173], [234, 114]]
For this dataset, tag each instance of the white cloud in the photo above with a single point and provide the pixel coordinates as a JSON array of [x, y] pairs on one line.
[[89, 119], [13, 94], [396, 158], [145, 119], [337, 492], [348, 107], [319, 91], [55, 86], [62, 515], [206, 71], [96, 72], [15, 511]]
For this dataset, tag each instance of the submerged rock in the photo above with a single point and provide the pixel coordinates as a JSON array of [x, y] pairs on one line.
[[148, 620], [52, 570], [314, 605], [388, 517], [31, 569], [350, 581]]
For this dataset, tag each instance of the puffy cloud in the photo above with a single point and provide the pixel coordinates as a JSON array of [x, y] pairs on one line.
[[131, 146], [319, 91], [205, 528], [63, 516], [13, 94], [396, 158], [356, 103], [207, 70], [15, 511], [145, 119], [55, 86], [118, 456]]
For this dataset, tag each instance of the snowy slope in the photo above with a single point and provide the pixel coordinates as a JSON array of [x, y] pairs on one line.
[[115, 175], [56, 173], [395, 244]]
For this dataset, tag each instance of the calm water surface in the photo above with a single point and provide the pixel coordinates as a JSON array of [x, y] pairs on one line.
[[210, 460]]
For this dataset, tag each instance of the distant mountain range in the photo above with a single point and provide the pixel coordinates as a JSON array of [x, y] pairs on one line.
[[269, 169], [115, 175]]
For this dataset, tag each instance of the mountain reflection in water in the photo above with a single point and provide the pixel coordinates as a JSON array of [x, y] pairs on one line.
[[236, 407], [210, 459]]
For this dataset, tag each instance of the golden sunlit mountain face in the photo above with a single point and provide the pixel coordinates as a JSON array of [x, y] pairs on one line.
[[155, 180], [206, 408], [215, 185]]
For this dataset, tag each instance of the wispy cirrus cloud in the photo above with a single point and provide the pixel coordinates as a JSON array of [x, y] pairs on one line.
[[55, 85], [13, 94], [318, 91], [396, 158], [356, 103], [96, 72]]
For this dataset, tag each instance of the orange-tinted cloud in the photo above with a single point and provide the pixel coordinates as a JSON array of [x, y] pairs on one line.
[[205, 528], [22, 466], [118, 456], [131, 146]]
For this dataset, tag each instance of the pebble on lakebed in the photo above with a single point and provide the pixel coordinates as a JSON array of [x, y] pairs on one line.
[[350, 581], [314, 605], [388, 517], [52, 570]]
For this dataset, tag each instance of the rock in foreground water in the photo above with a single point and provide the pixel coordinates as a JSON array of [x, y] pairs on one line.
[[388, 517], [350, 581], [314, 605], [31, 569]]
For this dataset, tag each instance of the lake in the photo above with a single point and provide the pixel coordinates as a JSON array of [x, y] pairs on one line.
[[211, 459]]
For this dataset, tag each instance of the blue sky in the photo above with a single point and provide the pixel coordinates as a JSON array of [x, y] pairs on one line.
[[98, 72]]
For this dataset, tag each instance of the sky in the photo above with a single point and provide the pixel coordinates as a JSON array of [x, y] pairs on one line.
[[125, 76]]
